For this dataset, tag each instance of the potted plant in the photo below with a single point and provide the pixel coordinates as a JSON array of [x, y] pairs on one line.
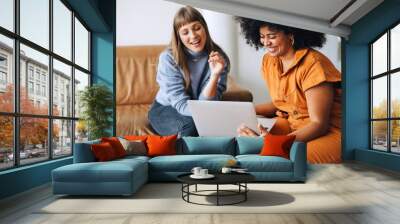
[[96, 102]]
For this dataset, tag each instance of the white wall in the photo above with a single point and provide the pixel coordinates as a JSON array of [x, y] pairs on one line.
[[144, 22], [150, 22]]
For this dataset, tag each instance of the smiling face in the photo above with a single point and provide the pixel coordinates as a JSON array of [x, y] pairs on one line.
[[193, 36], [277, 43]]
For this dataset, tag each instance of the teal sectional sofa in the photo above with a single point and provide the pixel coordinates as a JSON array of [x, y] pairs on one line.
[[125, 176]]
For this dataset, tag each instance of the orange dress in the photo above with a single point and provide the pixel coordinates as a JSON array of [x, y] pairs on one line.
[[287, 91]]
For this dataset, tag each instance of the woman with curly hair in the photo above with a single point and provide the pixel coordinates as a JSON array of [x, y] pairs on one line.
[[304, 87]]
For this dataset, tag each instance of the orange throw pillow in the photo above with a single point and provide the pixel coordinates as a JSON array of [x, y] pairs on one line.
[[116, 145], [103, 151], [277, 145], [161, 145]]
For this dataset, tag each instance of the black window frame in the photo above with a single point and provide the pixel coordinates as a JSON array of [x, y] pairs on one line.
[[16, 115], [388, 74]]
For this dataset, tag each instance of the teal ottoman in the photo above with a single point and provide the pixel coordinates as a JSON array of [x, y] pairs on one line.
[[118, 177]]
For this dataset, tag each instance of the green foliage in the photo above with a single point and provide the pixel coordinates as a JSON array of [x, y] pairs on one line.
[[96, 102]]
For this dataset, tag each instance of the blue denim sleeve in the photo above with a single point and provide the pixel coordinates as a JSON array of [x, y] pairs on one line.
[[172, 84]]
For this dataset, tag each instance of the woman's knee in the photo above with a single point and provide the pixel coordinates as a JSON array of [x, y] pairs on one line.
[[187, 127], [325, 149]]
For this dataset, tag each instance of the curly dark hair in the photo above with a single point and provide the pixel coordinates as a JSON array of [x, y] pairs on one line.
[[302, 38]]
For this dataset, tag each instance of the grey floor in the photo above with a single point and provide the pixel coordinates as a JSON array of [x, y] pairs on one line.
[[377, 188]]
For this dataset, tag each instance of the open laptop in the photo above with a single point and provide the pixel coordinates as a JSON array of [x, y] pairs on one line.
[[222, 118]]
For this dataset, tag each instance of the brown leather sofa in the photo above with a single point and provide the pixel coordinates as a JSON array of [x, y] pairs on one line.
[[137, 88]]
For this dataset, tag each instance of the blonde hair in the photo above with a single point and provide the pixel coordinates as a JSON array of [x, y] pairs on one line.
[[184, 16]]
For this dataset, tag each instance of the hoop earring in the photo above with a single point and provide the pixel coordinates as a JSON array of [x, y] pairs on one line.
[[292, 41]]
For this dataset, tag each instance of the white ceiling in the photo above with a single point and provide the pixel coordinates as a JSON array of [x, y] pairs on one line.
[[326, 16], [321, 9]]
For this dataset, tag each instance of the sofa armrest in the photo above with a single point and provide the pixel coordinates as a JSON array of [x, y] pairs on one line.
[[298, 155], [83, 152]]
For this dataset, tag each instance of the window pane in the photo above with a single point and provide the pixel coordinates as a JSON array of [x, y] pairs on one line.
[[379, 97], [81, 81], [395, 94], [62, 89], [395, 138], [81, 45], [6, 74], [379, 135], [62, 138], [395, 47], [33, 139], [34, 72], [379, 55], [62, 29], [6, 142], [7, 14], [81, 131], [35, 21]]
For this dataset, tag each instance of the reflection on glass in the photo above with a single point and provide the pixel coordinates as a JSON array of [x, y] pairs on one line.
[[395, 95], [379, 55], [6, 142], [81, 131], [33, 139], [395, 47], [7, 14], [62, 89], [81, 45], [62, 138], [81, 81], [6, 74], [35, 21], [34, 72], [379, 135], [395, 136], [62, 29], [379, 98]]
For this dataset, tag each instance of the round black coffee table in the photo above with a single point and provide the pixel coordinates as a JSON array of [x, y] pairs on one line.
[[238, 179]]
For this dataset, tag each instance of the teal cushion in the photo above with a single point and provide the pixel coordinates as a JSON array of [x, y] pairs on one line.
[[185, 163], [206, 145], [249, 145], [257, 163]]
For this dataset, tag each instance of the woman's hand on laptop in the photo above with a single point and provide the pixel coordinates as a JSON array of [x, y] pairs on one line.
[[243, 130]]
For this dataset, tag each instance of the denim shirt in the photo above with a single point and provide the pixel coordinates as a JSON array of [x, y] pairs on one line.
[[172, 84]]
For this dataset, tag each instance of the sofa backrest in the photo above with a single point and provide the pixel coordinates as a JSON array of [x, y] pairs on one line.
[[206, 145], [136, 72], [192, 146], [83, 152], [249, 145]]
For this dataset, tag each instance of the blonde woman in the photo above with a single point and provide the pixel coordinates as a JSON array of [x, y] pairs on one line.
[[193, 67]]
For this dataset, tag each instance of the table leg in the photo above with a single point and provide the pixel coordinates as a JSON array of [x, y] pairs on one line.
[[217, 194], [245, 191]]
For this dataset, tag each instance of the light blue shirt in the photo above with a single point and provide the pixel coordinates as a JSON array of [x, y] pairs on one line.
[[172, 84]]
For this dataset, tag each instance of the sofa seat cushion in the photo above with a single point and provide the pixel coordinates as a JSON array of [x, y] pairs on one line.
[[111, 171], [185, 163], [133, 157], [257, 163], [206, 145]]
